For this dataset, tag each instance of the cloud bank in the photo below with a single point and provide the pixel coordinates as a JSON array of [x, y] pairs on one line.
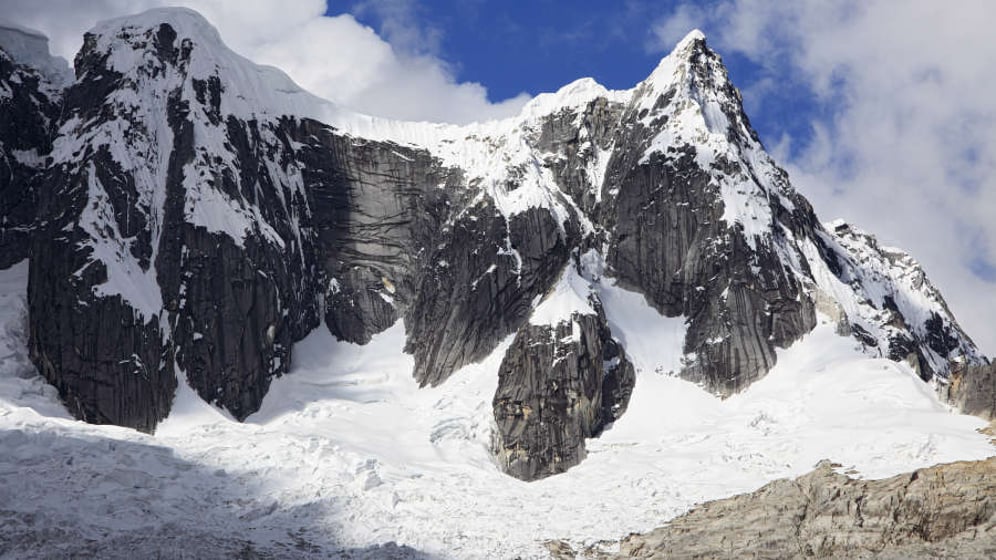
[[905, 145], [334, 57]]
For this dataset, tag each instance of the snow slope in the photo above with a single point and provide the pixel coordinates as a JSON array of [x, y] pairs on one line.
[[348, 455]]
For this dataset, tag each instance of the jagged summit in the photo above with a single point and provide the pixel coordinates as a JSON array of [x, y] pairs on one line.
[[199, 214]]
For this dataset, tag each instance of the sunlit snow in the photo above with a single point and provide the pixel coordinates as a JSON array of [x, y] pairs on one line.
[[348, 452]]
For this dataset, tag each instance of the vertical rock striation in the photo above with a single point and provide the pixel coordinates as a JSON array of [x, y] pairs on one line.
[[972, 390], [561, 381], [31, 84], [191, 215]]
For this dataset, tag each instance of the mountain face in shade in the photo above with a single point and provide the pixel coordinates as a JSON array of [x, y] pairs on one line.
[[190, 215], [31, 85]]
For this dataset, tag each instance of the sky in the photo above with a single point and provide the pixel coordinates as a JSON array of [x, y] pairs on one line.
[[882, 111]]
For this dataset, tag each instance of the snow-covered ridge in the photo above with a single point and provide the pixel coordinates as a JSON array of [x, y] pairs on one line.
[[704, 112], [253, 89], [884, 281], [487, 153]]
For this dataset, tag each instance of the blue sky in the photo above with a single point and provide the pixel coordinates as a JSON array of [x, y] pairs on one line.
[[538, 46]]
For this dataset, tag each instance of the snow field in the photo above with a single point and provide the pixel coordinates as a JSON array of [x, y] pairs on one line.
[[347, 452]]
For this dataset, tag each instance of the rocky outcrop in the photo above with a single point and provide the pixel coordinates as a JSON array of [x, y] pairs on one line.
[[972, 390], [947, 511], [29, 109], [558, 384], [168, 246]]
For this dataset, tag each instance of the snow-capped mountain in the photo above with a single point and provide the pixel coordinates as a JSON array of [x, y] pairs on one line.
[[344, 332], [200, 214]]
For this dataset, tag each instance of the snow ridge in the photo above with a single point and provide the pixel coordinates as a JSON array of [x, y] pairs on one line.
[[686, 101], [887, 294]]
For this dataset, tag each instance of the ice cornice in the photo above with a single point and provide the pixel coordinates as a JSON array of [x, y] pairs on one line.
[[185, 22]]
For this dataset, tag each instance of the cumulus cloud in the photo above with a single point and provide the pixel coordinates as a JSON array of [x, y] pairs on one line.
[[905, 145], [671, 29], [334, 57]]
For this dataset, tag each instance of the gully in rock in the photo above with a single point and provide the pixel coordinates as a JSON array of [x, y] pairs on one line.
[[191, 216]]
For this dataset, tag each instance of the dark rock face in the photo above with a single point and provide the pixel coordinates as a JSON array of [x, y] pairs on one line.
[[557, 385], [945, 511], [376, 209], [577, 142], [399, 235], [123, 274], [481, 286], [28, 111], [672, 241], [193, 223], [105, 355], [235, 307]]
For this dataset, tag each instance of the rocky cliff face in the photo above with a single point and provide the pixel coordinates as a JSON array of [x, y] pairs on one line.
[[31, 85], [946, 511], [199, 214], [563, 380], [168, 248]]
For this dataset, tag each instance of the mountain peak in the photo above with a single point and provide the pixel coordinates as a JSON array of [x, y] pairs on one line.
[[185, 22], [180, 45], [689, 39], [690, 51]]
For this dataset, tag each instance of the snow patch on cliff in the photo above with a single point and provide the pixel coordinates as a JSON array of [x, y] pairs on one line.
[[347, 453]]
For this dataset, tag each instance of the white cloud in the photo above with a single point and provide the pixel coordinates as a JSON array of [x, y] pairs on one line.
[[908, 149], [671, 29], [334, 57]]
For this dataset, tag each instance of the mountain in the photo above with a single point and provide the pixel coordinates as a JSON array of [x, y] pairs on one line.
[[191, 216], [31, 86]]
